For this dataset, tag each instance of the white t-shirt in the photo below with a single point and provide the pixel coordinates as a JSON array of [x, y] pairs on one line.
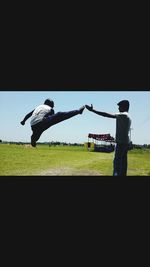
[[39, 114], [123, 124]]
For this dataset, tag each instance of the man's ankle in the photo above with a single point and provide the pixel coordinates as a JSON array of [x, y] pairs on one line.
[[81, 109]]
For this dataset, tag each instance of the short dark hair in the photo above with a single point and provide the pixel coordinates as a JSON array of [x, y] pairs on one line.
[[49, 102], [125, 104]]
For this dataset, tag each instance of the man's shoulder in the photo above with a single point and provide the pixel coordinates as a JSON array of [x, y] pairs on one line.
[[43, 106], [122, 114]]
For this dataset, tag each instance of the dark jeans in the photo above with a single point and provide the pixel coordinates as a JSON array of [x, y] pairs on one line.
[[120, 160], [49, 121]]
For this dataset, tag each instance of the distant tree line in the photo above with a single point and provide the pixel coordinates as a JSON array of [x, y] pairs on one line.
[[57, 143]]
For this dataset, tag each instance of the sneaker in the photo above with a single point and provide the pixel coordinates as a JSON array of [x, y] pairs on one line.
[[81, 109]]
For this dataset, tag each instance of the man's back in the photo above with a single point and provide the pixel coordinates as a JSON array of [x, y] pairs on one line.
[[39, 113]]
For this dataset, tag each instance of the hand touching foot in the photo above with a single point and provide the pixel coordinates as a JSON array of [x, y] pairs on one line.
[[90, 108]]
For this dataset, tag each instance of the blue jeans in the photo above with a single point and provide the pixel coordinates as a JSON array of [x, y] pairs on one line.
[[49, 121], [120, 160]]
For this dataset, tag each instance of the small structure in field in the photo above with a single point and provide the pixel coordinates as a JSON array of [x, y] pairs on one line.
[[102, 142]]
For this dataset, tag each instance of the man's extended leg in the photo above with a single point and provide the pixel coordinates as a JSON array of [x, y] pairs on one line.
[[51, 120], [60, 116]]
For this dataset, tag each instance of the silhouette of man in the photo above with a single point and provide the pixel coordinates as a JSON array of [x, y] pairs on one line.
[[123, 124]]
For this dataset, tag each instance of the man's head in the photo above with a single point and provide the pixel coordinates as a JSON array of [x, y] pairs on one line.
[[49, 102], [123, 105]]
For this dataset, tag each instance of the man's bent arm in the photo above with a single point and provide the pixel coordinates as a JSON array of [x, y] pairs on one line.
[[27, 117]]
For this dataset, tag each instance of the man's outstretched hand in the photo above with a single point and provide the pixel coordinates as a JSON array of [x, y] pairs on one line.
[[22, 122], [90, 108]]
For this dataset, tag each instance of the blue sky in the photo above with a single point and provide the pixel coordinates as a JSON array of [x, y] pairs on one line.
[[14, 105]]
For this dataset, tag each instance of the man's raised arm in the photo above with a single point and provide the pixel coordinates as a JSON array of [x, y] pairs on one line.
[[104, 114]]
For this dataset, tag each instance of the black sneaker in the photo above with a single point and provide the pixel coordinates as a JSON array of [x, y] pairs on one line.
[[81, 109]]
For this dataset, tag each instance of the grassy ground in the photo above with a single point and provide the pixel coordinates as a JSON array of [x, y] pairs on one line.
[[21, 160]]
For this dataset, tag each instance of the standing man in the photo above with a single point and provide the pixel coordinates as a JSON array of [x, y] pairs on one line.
[[43, 117], [123, 124]]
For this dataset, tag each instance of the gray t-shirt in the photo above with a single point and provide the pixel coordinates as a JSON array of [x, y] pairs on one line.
[[39, 114], [123, 124]]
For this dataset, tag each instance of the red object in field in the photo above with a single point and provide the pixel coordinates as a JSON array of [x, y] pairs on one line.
[[102, 137]]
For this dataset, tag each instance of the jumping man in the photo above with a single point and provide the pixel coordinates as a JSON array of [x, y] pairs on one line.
[[43, 117]]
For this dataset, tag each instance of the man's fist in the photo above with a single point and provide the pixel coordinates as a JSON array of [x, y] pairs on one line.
[[90, 108], [22, 122]]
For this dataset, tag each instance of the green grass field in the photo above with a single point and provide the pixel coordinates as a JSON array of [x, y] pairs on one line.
[[21, 160]]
